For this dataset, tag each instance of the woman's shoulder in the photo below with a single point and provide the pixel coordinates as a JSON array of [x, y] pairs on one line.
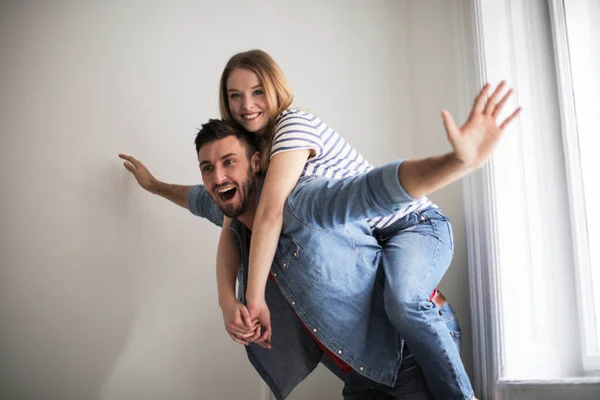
[[296, 115]]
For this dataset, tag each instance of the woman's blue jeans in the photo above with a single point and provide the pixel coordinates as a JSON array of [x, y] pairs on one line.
[[417, 252]]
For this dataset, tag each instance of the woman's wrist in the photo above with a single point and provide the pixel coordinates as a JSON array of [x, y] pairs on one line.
[[226, 300], [253, 297]]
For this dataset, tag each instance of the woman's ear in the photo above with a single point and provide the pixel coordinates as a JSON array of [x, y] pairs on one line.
[[255, 162]]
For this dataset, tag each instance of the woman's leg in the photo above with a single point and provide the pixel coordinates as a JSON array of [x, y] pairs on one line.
[[417, 252]]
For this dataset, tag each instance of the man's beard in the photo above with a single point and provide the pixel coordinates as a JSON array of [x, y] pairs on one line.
[[246, 190]]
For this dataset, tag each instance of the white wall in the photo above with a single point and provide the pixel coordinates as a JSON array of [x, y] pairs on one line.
[[108, 292]]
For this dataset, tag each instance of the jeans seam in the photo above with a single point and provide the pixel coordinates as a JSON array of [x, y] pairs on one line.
[[433, 260]]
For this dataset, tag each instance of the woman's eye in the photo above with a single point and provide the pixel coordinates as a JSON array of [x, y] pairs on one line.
[[234, 95], [259, 92]]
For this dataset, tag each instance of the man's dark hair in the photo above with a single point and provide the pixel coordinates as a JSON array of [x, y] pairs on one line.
[[216, 129]]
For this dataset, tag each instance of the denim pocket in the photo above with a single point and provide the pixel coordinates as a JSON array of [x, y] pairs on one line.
[[299, 270], [448, 315], [425, 224], [441, 225]]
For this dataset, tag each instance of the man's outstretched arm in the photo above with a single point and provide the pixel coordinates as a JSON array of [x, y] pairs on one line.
[[175, 193], [193, 198]]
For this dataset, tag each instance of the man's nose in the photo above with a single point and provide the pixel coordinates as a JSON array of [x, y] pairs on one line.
[[219, 176]]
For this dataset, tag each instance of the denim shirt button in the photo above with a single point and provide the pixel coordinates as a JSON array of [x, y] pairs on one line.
[[315, 330], [275, 274], [293, 303], [339, 352], [295, 254], [284, 265], [362, 368], [422, 218]]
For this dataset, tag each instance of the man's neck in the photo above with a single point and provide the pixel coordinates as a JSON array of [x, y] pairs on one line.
[[247, 217]]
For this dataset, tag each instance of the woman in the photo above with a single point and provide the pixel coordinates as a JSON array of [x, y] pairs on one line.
[[417, 240]]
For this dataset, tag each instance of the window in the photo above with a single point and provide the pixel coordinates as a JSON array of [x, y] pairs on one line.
[[577, 34], [533, 227]]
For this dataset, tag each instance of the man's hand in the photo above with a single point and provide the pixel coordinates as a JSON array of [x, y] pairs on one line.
[[238, 324], [178, 194], [474, 142], [140, 172], [259, 310]]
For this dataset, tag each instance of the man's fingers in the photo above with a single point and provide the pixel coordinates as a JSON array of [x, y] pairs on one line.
[[130, 163], [242, 335], [239, 329], [246, 317], [500, 105], [264, 340], [237, 332], [263, 344], [510, 118], [266, 335], [263, 337], [128, 158], [129, 166], [247, 335], [237, 318], [235, 339], [490, 104], [256, 335], [269, 335]]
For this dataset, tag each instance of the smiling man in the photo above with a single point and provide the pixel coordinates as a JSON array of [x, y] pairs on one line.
[[230, 186]]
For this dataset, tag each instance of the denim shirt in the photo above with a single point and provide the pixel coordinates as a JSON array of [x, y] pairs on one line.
[[327, 271]]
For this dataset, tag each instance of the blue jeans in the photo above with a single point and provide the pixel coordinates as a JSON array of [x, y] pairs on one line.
[[417, 252], [410, 381]]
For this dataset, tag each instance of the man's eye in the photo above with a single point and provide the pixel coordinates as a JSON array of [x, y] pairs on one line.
[[208, 168], [229, 162]]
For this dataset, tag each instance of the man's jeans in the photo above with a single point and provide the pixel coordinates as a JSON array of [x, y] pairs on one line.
[[410, 382]]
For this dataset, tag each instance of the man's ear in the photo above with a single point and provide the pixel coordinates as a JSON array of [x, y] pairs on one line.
[[255, 162]]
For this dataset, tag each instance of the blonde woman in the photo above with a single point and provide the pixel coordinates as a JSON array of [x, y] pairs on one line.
[[417, 239]]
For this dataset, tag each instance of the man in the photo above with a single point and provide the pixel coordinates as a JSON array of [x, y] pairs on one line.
[[325, 291]]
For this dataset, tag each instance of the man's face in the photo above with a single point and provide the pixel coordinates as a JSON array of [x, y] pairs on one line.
[[228, 174]]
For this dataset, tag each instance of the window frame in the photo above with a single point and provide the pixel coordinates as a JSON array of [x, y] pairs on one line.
[[590, 353], [504, 35]]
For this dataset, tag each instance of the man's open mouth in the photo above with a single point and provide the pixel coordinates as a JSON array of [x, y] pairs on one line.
[[226, 193]]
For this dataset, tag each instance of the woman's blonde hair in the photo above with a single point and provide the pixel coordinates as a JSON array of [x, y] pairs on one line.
[[278, 93]]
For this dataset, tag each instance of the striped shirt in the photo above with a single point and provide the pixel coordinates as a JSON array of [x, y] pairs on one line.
[[334, 157]]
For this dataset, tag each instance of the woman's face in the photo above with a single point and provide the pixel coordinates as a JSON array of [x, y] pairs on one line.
[[247, 100]]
